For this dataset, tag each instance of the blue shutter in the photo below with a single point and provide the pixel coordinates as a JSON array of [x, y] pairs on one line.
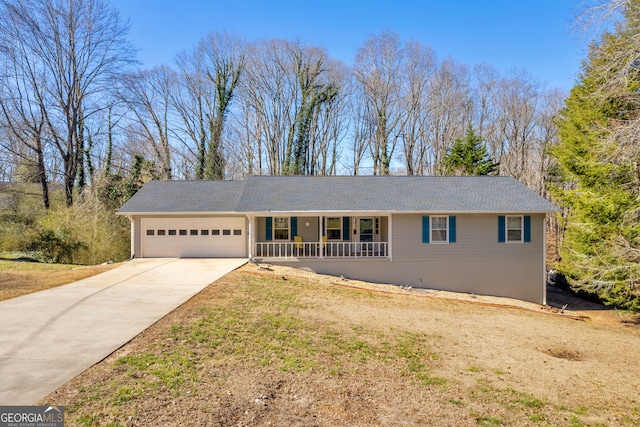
[[346, 221], [294, 227], [425, 229], [527, 228], [452, 229], [269, 229], [501, 229]]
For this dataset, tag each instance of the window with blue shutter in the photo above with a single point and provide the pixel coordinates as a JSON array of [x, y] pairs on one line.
[[501, 228], [269, 228], [439, 229], [425, 229], [452, 229], [514, 229]]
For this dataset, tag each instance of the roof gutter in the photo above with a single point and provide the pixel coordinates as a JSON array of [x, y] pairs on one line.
[[180, 213], [336, 212]]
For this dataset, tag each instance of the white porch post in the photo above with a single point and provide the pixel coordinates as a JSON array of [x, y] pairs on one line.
[[250, 236], [390, 237], [320, 241]]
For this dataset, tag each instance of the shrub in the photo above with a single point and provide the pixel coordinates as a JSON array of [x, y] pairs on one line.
[[90, 230], [57, 246], [86, 233]]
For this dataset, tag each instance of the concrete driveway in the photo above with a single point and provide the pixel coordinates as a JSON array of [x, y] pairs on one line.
[[49, 337]]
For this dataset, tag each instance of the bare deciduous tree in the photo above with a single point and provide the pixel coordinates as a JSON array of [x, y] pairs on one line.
[[449, 110], [377, 68], [74, 48], [419, 67], [268, 94], [517, 99], [148, 94]]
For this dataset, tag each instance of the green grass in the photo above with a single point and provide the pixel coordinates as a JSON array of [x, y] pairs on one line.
[[87, 420], [537, 418], [529, 402], [170, 370], [14, 265], [489, 421], [575, 422]]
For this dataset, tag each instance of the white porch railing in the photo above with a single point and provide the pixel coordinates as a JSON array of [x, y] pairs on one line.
[[321, 249]]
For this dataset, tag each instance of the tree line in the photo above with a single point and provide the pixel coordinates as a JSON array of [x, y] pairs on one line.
[[78, 113], [597, 180], [77, 110]]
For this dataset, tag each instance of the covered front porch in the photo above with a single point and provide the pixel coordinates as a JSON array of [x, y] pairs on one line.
[[320, 236]]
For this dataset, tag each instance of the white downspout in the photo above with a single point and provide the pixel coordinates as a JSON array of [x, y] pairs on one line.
[[132, 221]]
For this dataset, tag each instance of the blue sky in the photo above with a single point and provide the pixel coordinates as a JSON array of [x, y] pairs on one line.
[[507, 34]]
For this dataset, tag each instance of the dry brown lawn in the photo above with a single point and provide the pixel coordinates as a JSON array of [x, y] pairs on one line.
[[23, 277], [290, 348]]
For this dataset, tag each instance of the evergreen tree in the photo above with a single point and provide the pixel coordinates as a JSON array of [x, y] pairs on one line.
[[597, 178], [469, 156]]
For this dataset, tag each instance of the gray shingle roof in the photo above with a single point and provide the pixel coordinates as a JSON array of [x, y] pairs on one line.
[[340, 193], [185, 196]]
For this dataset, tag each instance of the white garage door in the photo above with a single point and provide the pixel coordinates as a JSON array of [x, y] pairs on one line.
[[193, 237]]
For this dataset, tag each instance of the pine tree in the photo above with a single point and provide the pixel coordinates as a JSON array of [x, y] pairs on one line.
[[469, 156], [597, 180]]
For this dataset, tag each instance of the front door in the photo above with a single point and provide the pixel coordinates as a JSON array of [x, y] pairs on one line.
[[366, 229]]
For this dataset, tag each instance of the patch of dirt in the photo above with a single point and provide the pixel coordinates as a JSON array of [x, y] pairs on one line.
[[492, 361], [563, 353]]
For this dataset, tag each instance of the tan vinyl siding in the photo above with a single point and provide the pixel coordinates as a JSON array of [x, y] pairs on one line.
[[476, 238], [310, 233], [476, 263], [261, 233], [384, 229]]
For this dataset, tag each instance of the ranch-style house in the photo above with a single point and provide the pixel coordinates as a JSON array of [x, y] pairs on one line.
[[481, 235]]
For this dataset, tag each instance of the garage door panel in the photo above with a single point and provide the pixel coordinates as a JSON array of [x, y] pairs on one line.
[[193, 237]]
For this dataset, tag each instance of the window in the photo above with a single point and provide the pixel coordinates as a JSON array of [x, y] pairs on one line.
[[226, 232], [193, 232], [237, 232], [150, 232], [514, 229], [439, 229], [280, 228], [204, 232], [183, 232], [172, 232], [334, 228], [161, 232], [215, 232]]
